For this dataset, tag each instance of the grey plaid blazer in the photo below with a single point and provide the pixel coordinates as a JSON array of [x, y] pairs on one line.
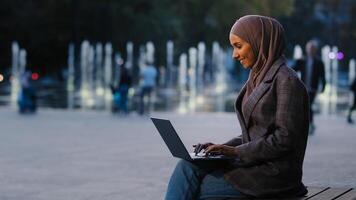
[[274, 123]]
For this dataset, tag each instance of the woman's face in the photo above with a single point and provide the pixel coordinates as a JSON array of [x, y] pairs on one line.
[[242, 51]]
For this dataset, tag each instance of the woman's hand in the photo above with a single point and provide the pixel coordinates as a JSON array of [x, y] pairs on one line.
[[199, 147], [221, 149]]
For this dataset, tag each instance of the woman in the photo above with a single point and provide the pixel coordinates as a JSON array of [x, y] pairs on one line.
[[273, 112]]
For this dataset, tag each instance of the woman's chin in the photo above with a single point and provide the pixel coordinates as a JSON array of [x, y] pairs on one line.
[[246, 66]]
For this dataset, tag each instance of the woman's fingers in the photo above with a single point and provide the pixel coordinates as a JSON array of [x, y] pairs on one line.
[[216, 148], [221, 149], [198, 147]]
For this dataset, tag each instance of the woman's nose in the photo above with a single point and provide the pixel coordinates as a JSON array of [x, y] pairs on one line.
[[235, 55]]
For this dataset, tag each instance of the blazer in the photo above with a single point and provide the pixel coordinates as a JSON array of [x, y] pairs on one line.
[[274, 122], [317, 76]]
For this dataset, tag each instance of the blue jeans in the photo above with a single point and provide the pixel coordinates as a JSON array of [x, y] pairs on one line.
[[199, 180], [123, 90], [144, 107]]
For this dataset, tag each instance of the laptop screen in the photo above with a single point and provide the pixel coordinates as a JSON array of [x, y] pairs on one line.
[[171, 138]]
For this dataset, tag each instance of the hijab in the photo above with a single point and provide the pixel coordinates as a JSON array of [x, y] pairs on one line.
[[266, 37]]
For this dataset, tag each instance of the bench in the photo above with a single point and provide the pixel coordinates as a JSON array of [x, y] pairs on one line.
[[316, 193]]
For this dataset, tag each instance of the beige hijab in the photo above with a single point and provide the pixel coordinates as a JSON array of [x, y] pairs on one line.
[[266, 37]]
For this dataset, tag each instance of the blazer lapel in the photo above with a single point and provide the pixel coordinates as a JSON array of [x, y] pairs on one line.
[[238, 110], [259, 91], [252, 100]]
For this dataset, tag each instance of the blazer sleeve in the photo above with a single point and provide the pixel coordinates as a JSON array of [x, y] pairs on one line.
[[234, 141], [290, 126]]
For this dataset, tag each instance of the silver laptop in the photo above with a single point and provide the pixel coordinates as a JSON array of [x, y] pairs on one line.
[[175, 144]]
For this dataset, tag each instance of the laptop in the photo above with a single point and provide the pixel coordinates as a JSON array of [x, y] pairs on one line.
[[175, 144]]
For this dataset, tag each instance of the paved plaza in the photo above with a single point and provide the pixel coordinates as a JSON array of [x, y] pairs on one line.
[[91, 155]]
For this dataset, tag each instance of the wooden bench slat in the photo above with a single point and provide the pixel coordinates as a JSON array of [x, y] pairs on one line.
[[350, 195], [329, 194], [312, 191]]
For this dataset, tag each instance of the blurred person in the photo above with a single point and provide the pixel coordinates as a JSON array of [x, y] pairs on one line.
[[273, 112], [147, 84], [122, 89], [27, 95], [312, 72], [353, 106]]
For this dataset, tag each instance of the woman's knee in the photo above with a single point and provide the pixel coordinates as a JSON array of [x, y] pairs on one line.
[[183, 169], [184, 165]]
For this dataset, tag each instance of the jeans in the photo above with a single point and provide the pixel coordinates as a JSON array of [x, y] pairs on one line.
[[144, 107], [123, 90], [27, 100], [199, 180]]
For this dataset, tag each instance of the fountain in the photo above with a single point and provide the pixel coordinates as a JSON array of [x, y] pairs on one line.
[[129, 56], [22, 61], [192, 78], [150, 52], [200, 67], [150, 59], [334, 78], [15, 78], [107, 76], [71, 77], [99, 87], [141, 59], [91, 83], [18, 69], [297, 52], [170, 70], [220, 78], [84, 78], [95, 76], [326, 96], [182, 77]]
